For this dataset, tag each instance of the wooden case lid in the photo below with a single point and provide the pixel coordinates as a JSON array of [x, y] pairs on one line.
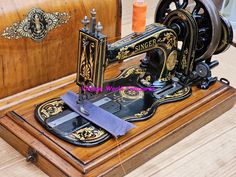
[[26, 63]]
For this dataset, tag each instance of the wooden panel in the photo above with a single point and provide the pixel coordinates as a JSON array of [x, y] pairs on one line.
[[1, 71], [11, 159], [46, 160], [26, 63]]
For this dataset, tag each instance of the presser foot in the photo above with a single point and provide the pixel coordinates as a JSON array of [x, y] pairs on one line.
[[83, 110], [83, 96]]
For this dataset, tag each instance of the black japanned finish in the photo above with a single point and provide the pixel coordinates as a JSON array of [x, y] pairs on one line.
[[132, 103]]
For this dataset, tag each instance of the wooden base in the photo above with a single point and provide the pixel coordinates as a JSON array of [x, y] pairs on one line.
[[171, 123]]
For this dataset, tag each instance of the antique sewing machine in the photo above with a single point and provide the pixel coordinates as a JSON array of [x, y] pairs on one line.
[[159, 80], [179, 47]]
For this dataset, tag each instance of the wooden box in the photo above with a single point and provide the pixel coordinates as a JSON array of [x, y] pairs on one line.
[[115, 157]]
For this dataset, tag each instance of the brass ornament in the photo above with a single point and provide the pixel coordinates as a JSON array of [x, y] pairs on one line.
[[36, 25]]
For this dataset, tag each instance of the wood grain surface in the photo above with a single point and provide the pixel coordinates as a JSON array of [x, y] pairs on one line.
[[25, 63], [149, 138]]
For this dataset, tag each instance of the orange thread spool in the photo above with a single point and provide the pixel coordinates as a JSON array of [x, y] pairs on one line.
[[139, 16]]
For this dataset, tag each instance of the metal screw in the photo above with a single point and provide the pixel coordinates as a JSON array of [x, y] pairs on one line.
[[99, 28], [175, 80], [31, 156], [93, 12], [85, 22]]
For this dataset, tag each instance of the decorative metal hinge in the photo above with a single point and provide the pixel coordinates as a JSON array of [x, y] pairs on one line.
[[36, 25]]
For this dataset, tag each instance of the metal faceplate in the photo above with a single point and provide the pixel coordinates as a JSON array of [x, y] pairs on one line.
[[36, 25]]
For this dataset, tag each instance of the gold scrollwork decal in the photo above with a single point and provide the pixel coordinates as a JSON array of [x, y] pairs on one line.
[[51, 108], [137, 71], [146, 80], [169, 39], [131, 93], [88, 134], [123, 53], [142, 113], [184, 62], [87, 61], [181, 93], [36, 25]]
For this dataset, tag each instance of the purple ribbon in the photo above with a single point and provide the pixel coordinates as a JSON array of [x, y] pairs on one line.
[[104, 119]]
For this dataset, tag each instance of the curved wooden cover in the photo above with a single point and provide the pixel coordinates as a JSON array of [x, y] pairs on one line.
[[25, 63]]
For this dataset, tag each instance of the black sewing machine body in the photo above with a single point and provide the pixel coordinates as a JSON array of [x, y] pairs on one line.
[[165, 75], [159, 42], [133, 102]]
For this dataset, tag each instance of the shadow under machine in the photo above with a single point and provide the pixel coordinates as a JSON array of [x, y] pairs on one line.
[[179, 49]]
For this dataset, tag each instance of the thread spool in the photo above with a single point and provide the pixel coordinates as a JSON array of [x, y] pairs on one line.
[[139, 16]]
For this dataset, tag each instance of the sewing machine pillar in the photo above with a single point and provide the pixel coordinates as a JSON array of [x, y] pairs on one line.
[[91, 59]]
